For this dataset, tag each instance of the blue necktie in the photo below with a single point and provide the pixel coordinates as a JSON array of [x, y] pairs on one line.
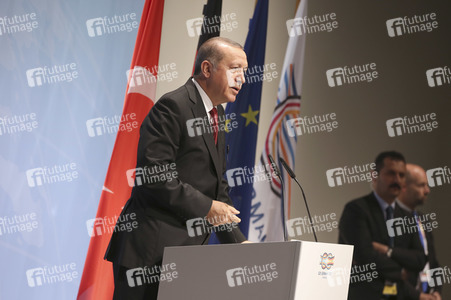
[[424, 285]]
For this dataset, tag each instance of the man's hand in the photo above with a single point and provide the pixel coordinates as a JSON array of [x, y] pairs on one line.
[[404, 274], [424, 296], [437, 296], [381, 248], [221, 213]]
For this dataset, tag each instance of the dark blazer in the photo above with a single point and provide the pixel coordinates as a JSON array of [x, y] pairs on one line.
[[363, 222], [412, 293], [163, 207]]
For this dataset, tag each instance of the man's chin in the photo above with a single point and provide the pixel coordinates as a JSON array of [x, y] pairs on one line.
[[231, 99], [395, 193]]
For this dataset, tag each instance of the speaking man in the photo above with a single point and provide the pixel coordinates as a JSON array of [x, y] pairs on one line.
[[369, 223], [181, 134]]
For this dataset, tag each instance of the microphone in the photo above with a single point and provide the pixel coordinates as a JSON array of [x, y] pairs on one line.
[[292, 175], [277, 172], [275, 167]]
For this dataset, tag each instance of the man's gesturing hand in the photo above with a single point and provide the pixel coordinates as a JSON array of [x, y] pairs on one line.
[[221, 213]]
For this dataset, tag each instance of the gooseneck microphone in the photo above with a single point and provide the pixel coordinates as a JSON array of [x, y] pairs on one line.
[[292, 175], [277, 171]]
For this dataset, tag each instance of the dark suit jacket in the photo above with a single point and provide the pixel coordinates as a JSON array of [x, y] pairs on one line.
[[412, 293], [363, 222], [162, 208]]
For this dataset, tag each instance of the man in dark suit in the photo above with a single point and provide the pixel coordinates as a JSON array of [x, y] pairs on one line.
[[414, 194], [181, 134], [365, 223]]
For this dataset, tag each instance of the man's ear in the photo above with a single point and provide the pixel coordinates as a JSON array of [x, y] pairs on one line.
[[374, 176], [206, 68]]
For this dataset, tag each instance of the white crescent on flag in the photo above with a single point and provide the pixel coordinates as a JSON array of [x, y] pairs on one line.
[[142, 81]]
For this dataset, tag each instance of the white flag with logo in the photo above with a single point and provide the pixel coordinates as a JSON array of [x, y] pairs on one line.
[[266, 213]]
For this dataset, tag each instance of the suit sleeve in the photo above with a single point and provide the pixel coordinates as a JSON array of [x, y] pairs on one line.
[[432, 257], [412, 258], [159, 142], [234, 236], [355, 230]]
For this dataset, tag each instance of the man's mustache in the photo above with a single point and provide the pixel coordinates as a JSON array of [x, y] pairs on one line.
[[395, 185]]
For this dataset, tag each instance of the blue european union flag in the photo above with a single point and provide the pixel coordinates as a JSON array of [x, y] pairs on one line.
[[241, 140]]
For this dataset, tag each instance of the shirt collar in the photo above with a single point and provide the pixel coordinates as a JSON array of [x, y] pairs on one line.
[[205, 99], [383, 204]]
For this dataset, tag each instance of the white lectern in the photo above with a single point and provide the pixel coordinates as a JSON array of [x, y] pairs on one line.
[[274, 270]]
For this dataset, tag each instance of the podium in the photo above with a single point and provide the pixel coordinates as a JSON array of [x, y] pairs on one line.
[[274, 270]]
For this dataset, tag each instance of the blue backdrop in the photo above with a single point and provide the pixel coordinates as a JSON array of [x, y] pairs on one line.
[[62, 65]]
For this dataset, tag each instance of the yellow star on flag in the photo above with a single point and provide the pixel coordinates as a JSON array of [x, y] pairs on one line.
[[226, 125], [250, 116]]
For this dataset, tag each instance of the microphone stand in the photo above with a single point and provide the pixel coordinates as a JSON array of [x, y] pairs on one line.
[[292, 175], [277, 171]]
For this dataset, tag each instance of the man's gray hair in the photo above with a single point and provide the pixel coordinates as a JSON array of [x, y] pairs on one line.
[[210, 51]]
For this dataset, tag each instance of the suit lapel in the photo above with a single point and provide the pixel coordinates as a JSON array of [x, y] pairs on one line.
[[199, 112], [221, 135], [379, 218]]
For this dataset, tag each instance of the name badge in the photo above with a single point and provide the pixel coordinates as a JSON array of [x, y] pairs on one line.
[[390, 289]]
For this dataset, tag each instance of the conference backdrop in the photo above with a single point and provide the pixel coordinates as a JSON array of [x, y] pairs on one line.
[[63, 80], [376, 77]]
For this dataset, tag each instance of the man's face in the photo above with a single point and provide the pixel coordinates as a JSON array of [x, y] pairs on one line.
[[390, 180], [226, 79], [417, 189]]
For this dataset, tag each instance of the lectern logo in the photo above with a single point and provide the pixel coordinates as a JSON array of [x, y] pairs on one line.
[[327, 261]]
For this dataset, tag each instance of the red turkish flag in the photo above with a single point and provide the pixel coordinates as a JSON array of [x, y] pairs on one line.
[[97, 279]]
